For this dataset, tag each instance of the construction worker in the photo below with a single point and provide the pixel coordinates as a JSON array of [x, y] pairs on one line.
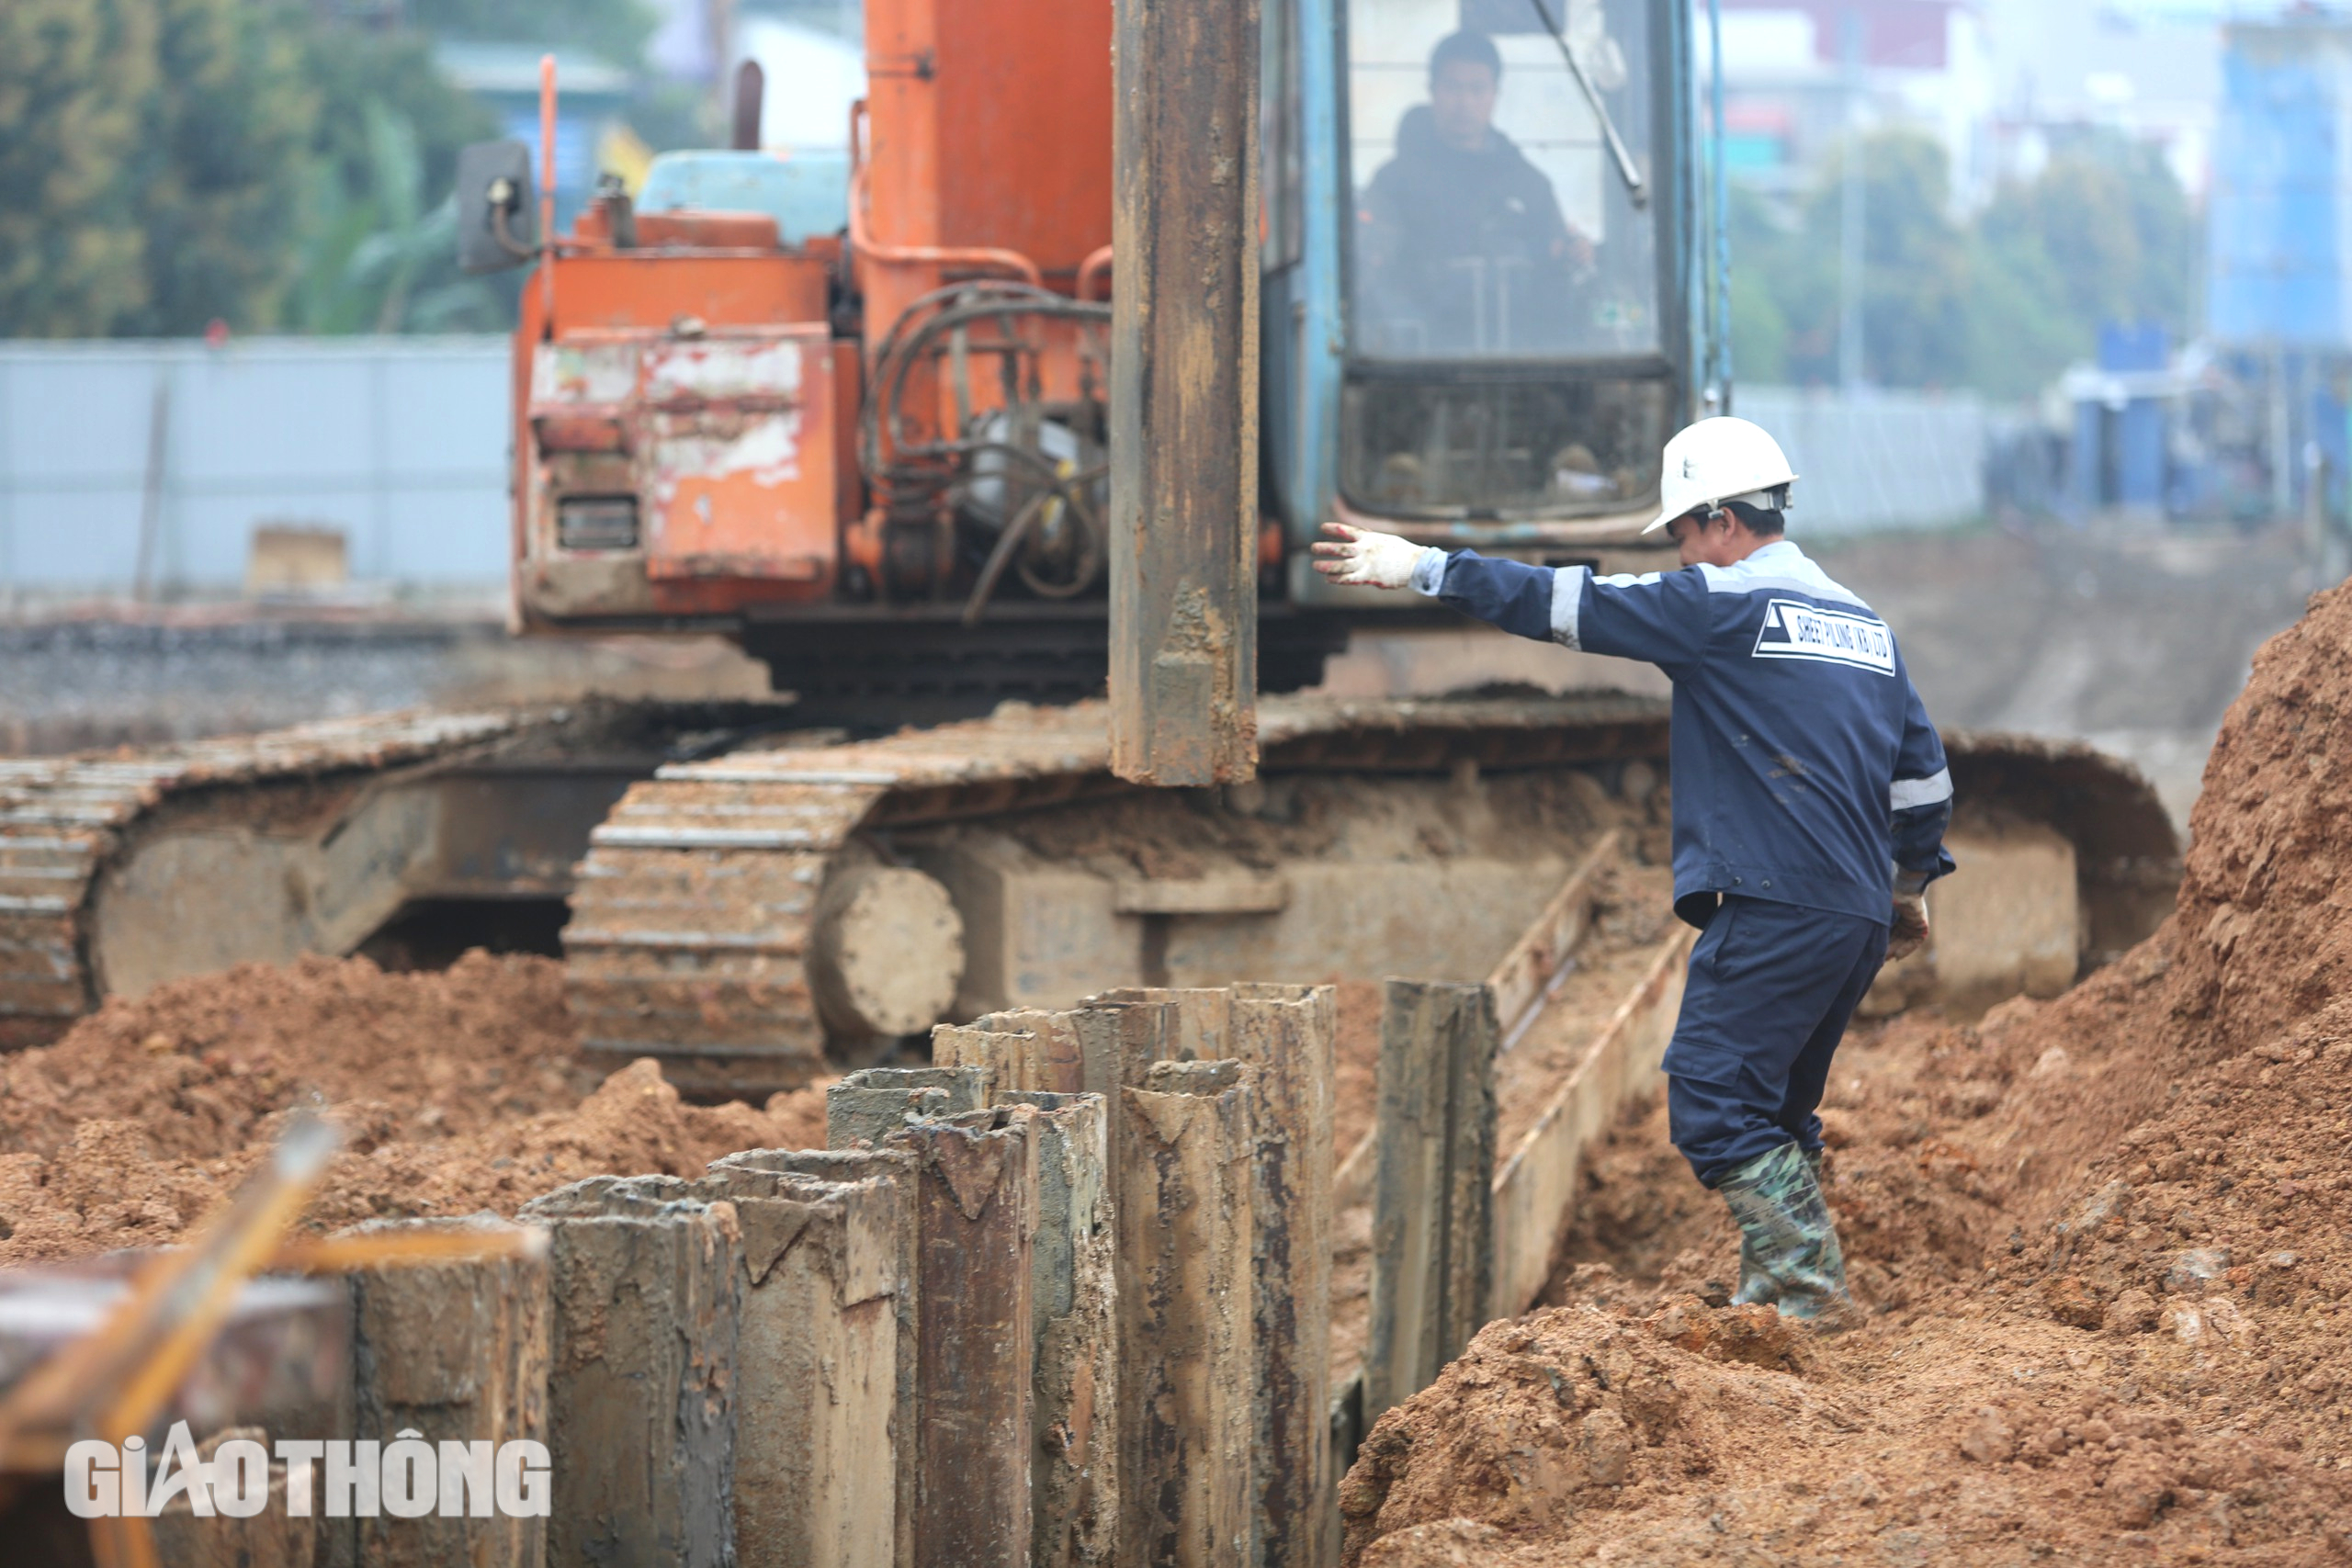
[[1810, 803]]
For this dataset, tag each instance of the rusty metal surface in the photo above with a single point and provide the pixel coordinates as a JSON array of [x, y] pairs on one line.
[[279, 1356], [1186, 1311], [976, 1214], [1433, 1200], [60, 817], [723, 438], [457, 1350], [647, 1290], [1184, 392], [692, 915]]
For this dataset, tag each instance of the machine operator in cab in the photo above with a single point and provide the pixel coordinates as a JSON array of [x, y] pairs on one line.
[[1810, 802], [1462, 245]]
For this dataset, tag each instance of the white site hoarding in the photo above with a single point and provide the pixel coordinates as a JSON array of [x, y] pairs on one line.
[[398, 443], [399, 446]]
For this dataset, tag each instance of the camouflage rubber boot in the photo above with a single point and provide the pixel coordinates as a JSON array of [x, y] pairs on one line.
[[1788, 1249]]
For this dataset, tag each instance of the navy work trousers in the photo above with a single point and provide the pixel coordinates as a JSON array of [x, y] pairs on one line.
[[1770, 990]]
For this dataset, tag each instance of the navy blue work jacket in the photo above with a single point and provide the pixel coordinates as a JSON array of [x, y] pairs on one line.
[[1805, 768]]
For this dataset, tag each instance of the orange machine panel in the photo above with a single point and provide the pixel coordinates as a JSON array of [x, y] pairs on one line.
[[718, 446], [738, 468], [1024, 120], [651, 289]]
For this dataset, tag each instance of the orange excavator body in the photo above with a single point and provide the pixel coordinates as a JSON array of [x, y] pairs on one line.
[[688, 385]]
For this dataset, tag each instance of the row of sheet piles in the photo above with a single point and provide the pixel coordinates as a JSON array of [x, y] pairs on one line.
[[715, 1366], [1192, 1369], [1061, 1298]]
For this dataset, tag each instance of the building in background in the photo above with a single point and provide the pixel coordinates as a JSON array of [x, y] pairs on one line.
[[1801, 74], [1998, 82], [2148, 69]]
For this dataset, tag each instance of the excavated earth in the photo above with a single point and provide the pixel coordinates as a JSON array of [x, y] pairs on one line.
[[2104, 1242], [456, 1091]]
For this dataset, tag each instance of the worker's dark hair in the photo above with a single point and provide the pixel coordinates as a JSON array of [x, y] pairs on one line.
[[1469, 48], [1756, 520]]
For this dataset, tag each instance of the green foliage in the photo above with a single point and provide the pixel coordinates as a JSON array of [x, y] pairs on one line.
[[73, 74], [219, 166], [376, 253], [2001, 304], [165, 162], [395, 70], [2105, 235], [375, 259]]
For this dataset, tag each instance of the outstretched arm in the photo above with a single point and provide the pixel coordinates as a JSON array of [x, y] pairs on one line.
[[1660, 618]]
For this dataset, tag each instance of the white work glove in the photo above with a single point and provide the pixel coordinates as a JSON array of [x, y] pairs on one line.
[[1365, 559], [1907, 930]]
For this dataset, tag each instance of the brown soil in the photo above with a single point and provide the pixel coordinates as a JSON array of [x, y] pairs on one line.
[[2105, 1243], [456, 1091]]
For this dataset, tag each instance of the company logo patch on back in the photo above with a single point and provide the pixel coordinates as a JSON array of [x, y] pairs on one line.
[[1795, 630]]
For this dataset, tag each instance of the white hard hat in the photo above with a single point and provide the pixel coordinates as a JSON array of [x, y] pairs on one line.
[[1722, 459]]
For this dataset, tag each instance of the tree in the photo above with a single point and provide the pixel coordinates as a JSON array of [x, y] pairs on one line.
[[73, 74], [378, 258], [1766, 279], [1916, 281], [1915, 273], [218, 171], [375, 253], [2003, 304], [2105, 233]]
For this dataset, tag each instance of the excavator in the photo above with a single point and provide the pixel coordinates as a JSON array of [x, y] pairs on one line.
[[861, 426], [853, 413]]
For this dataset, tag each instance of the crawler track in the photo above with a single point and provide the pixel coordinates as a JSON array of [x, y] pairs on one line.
[[693, 915], [62, 818], [694, 901]]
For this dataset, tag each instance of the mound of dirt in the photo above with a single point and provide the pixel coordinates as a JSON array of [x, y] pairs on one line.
[[2213, 1247], [2106, 1242], [1725, 1436], [1572, 1413], [2258, 944], [456, 1091], [199, 1064]]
